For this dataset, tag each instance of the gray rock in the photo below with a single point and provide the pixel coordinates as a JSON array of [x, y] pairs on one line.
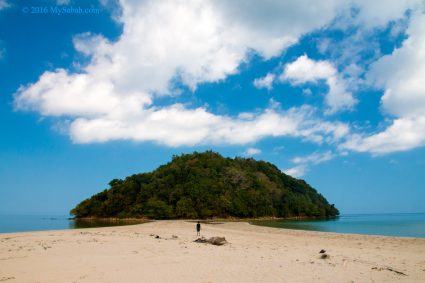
[[217, 241]]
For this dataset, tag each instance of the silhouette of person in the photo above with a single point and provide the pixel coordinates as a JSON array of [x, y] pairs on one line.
[[198, 229]]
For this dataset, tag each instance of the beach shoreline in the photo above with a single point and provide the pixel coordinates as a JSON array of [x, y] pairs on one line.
[[253, 254]]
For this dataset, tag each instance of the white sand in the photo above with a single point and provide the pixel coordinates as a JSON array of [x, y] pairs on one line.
[[253, 254]]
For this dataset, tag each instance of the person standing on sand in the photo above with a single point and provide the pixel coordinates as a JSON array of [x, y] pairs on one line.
[[198, 229]]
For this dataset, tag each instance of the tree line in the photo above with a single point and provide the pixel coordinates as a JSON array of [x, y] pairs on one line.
[[207, 185]]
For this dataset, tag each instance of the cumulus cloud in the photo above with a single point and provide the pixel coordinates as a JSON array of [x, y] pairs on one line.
[[296, 171], [372, 14], [176, 126], [265, 82], [302, 163], [304, 70], [362, 24], [252, 151], [274, 25], [165, 43], [403, 134], [98, 113], [401, 76], [190, 42]]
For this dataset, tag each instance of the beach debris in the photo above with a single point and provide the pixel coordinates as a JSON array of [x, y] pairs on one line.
[[217, 241], [322, 251], [324, 256], [174, 237], [155, 236], [201, 240], [389, 269]]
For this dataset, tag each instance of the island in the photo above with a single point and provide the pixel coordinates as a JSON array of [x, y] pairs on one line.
[[207, 185]]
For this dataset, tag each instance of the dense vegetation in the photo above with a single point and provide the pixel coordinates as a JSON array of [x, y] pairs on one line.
[[205, 185]]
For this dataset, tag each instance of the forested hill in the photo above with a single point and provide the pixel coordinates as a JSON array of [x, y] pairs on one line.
[[205, 185]]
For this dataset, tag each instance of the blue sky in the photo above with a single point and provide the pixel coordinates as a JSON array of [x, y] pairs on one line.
[[330, 92]]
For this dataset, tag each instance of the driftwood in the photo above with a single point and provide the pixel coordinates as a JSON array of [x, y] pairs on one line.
[[217, 241], [389, 269]]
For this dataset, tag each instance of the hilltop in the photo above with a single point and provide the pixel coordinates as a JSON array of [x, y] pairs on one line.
[[206, 185]]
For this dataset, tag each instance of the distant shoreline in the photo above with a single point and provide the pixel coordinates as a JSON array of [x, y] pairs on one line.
[[399, 225], [205, 219]]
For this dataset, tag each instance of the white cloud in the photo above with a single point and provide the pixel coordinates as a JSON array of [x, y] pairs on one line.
[[273, 25], [302, 163], [265, 82], [252, 151], [374, 14], [307, 91], [314, 158], [99, 115], [362, 23], [62, 94], [176, 126], [401, 75], [403, 134], [193, 42], [304, 70], [296, 171]]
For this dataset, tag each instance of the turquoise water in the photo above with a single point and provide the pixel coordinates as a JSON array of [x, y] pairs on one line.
[[403, 224], [26, 223], [406, 225]]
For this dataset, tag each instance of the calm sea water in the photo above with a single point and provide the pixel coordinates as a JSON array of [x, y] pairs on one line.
[[403, 224], [26, 223]]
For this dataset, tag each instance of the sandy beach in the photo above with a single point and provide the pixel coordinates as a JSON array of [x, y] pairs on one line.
[[252, 254]]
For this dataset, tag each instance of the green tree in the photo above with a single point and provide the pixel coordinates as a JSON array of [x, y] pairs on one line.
[[184, 208], [204, 185], [157, 209]]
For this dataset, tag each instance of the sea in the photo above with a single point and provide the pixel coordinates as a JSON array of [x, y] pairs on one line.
[[400, 224], [391, 224], [28, 223]]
